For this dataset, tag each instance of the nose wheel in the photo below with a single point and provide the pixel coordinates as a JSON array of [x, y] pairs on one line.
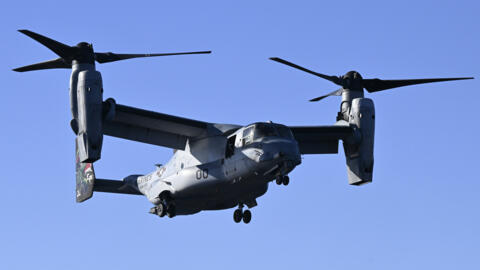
[[282, 180], [239, 215]]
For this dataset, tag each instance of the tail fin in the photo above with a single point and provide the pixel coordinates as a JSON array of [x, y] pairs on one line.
[[85, 178]]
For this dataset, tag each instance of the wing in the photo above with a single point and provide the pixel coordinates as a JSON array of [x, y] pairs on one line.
[[156, 128], [320, 139]]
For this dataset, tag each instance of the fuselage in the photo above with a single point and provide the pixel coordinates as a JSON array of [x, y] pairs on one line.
[[220, 172]]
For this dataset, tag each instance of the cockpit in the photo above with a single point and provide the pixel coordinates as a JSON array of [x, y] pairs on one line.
[[256, 132], [270, 135], [262, 130]]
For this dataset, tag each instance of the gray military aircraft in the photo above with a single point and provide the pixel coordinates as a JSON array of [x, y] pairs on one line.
[[214, 166]]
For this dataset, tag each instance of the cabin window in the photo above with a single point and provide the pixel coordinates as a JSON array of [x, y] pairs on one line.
[[230, 148]]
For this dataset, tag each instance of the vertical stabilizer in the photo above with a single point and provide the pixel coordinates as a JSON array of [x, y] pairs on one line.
[[85, 178]]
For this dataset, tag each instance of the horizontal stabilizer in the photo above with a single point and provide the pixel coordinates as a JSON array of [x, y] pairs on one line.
[[114, 186]]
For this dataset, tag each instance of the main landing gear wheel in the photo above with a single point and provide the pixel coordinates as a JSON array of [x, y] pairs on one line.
[[164, 209], [160, 209]]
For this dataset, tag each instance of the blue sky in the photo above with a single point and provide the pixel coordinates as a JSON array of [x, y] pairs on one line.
[[421, 211]]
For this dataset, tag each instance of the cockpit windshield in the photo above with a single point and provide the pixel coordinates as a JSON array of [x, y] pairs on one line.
[[264, 130], [284, 132]]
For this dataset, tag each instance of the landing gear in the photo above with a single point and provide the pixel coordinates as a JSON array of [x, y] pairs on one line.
[[281, 179], [161, 211], [239, 215], [165, 208]]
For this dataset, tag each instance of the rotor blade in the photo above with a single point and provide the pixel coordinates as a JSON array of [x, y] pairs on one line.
[[333, 79], [56, 63], [60, 49], [374, 85], [337, 92], [111, 57]]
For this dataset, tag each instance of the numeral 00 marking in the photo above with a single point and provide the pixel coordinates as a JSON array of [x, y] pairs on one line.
[[202, 174]]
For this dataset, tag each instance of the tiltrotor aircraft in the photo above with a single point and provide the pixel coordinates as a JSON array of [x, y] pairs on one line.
[[214, 166]]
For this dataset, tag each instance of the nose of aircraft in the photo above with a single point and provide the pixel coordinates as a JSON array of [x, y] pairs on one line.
[[281, 150]]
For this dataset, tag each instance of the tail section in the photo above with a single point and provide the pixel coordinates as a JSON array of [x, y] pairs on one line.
[[87, 183], [88, 109], [85, 176]]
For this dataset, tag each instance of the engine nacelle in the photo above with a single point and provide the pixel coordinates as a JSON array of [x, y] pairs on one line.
[[89, 115], [359, 154]]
